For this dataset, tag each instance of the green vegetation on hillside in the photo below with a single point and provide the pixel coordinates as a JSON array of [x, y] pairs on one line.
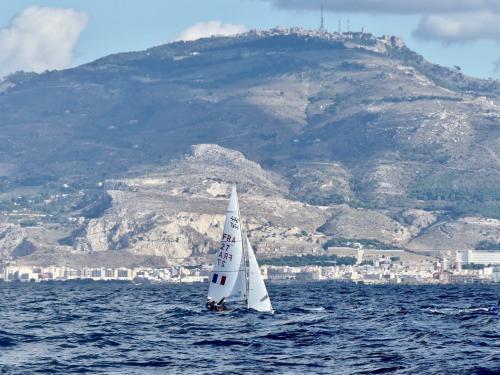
[[488, 245], [473, 266], [463, 194], [365, 243], [309, 260]]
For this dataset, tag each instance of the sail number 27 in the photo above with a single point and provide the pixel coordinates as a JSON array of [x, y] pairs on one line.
[[224, 255]]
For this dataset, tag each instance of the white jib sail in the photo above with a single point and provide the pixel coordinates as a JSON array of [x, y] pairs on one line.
[[239, 291], [226, 274], [258, 299]]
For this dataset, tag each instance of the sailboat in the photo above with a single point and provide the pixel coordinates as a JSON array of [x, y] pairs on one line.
[[236, 277]]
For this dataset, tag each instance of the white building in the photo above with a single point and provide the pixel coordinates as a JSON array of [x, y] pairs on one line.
[[478, 257], [495, 275], [359, 256], [444, 264]]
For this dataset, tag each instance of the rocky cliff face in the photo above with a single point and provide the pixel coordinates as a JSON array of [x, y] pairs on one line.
[[350, 133], [11, 238], [175, 214], [178, 211]]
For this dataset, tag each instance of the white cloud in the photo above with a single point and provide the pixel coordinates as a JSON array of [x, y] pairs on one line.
[[40, 38], [207, 29], [459, 28]]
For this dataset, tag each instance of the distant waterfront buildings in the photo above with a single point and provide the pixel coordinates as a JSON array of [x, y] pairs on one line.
[[372, 266], [380, 270]]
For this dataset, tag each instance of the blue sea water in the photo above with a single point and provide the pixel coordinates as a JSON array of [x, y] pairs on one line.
[[324, 327]]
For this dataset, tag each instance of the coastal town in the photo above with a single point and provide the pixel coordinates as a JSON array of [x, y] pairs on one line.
[[369, 267]]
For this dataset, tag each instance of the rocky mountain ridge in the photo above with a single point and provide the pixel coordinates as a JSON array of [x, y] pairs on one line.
[[358, 134]]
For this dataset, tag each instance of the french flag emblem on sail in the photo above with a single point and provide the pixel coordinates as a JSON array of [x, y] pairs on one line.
[[216, 276]]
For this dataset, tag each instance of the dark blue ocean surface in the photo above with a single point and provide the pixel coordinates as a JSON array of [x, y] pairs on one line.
[[123, 328]]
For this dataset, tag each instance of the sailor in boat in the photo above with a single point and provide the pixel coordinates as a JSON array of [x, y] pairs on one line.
[[215, 306]]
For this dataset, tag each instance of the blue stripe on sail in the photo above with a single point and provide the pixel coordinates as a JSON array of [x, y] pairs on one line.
[[214, 278]]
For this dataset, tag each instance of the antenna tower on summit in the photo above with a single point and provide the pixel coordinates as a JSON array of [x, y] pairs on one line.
[[322, 25]]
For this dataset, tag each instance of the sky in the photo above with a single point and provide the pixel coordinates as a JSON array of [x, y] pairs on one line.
[[36, 35]]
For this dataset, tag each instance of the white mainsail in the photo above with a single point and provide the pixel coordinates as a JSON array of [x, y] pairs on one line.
[[258, 299], [227, 272]]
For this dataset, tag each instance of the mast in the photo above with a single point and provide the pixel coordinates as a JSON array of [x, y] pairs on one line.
[[245, 253], [247, 276], [245, 260], [245, 257], [245, 267]]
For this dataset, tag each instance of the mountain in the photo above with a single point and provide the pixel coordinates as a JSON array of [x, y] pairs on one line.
[[369, 138]]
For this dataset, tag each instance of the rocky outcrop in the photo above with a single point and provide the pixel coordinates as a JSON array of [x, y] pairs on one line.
[[353, 223], [417, 220], [11, 238], [461, 234]]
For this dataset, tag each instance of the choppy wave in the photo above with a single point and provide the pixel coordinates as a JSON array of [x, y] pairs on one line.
[[119, 328]]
